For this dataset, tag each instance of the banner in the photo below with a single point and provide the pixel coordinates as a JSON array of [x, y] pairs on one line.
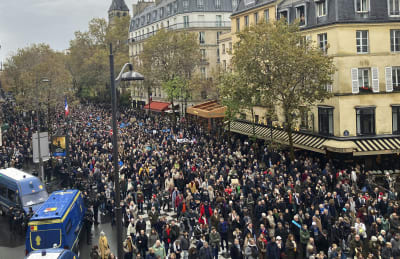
[[58, 146]]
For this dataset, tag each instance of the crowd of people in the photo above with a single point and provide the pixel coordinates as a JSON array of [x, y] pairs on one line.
[[231, 196]]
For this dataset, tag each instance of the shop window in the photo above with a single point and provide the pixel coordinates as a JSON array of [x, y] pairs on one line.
[[325, 120], [396, 119], [365, 121]]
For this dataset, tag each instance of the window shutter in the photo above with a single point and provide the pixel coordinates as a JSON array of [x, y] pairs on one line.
[[389, 83], [375, 80], [354, 81]]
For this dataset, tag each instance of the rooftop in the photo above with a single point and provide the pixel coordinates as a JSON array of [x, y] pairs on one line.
[[56, 205]]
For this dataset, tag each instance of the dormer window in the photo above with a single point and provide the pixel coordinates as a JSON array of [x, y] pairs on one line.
[[175, 6], [322, 7], [169, 9], [148, 18], [200, 3], [185, 4], [284, 14], [362, 6], [234, 4], [248, 2], [394, 7], [161, 12], [301, 14], [217, 4], [155, 15]]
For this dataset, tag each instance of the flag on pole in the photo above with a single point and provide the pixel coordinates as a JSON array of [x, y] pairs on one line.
[[66, 107]]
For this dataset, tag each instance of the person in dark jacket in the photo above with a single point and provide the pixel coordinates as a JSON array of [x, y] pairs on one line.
[[273, 251], [205, 252], [235, 251], [141, 242]]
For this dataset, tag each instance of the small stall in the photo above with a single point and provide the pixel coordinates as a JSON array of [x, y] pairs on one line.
[[209, 114]]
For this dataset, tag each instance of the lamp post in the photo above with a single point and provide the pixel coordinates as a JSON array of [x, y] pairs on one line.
[[127, 76], [41, 171]]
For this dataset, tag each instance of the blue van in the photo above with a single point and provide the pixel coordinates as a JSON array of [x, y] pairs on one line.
[[53, 253], [20, 190], [58, 223]]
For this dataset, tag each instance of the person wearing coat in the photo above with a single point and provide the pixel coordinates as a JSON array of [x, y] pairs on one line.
[[273, 251], [235, 251], [129, 248], [291, 247], [153, 237], [262, 246], [215, 239], [251, 251], [142, 243], [205, 252], [131, 229], [103, 246], [159, 250]]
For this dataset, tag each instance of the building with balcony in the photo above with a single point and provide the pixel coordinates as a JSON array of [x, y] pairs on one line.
[[363, 116], [207, 18]]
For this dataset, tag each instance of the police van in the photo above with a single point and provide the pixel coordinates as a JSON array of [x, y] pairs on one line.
[[58, 223], [54, 253], [20, 190]]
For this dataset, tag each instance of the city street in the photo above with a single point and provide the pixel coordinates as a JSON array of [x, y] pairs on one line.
[[13, 245]]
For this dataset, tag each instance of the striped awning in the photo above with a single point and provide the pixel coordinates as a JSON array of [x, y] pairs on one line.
[[300, 140], [376, 146]]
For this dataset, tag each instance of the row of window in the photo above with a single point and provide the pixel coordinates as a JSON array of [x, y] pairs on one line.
[[321, 7], [224, 49], [362, 41], [144, 33], [367, 79], [172, 8], [365, 120], [255, 17]]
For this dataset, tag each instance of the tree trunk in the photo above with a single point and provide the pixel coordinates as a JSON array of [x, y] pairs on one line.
[[253, 123], [291, 148], [288, 120]]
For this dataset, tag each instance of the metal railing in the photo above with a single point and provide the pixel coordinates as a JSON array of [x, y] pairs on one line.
[[178, 26]]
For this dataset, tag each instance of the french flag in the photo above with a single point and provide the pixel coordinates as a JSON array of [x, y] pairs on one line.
[[66, 107]]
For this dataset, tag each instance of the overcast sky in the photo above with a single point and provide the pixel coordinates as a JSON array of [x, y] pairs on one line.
[[23, 22]]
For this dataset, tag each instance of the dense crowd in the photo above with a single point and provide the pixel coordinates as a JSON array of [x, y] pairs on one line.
[[232, 196]]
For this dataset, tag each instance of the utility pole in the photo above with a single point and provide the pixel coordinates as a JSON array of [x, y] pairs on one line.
[[41, 172], [115, 157]]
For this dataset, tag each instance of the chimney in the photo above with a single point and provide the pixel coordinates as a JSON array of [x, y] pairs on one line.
[[140, 6]]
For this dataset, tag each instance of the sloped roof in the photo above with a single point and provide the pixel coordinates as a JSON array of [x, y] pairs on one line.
[[118, 5], [242, 6]]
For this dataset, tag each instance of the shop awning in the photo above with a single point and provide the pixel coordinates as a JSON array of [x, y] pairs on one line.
[[377, 146], [359, 146], [157, 106], [300, 140], [208, 110], [340, 146]]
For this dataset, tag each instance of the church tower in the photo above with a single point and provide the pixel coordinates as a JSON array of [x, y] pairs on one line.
[[118, 8]]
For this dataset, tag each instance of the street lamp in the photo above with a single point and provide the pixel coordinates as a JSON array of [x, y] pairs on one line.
[[41, 171], [123, 76]]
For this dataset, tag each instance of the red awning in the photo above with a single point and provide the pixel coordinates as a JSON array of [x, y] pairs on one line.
[[157, 106]]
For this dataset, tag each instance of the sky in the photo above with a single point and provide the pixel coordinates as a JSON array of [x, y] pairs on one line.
[[24, 22]]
